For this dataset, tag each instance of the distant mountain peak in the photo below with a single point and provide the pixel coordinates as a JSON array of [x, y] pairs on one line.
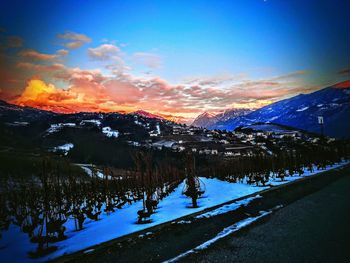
[[343, 85], [204, 119], [209, 119], [207, 114]]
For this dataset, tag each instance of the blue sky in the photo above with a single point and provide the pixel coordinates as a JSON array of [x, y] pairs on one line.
[[255, 38], [198, 37]]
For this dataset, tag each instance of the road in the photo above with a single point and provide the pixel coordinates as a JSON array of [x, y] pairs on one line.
[[315, 228]]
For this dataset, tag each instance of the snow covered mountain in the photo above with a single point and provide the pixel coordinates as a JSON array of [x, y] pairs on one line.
[[302, 111], [205, 120], [209, 120]]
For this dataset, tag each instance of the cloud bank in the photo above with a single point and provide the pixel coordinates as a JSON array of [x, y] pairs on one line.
[[43, 80]]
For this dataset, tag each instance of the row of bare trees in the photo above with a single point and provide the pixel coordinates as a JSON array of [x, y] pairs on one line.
[[259, 168], [41, 207]]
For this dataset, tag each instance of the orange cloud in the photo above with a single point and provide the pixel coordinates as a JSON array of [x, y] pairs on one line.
[[32, 54], [35, 55], [39, 67], [91, 90], [38, 94]]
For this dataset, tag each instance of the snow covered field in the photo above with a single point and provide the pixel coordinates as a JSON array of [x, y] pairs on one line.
[[15, 245]]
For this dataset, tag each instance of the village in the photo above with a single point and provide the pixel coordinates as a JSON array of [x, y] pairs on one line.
[[263, 138]]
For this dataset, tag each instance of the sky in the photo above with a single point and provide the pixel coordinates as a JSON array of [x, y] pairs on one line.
[[174, 58]]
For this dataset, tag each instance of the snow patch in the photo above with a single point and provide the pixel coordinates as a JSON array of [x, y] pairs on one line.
[[302, 109], [57, 127], [17, 123], [65, 148], [92, 170], [95, 122], [109, 132]]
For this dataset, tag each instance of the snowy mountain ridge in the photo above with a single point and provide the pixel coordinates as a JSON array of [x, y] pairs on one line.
[[302, 111], [209, 119]]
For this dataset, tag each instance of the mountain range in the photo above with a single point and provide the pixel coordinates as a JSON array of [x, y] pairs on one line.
[[301, 111], [208, 119]]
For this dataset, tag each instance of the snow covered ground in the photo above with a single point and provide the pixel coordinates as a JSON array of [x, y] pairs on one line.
[[14, 244], [91, 169], [65, 148], [109, 132], [57, 127], [302, 109]]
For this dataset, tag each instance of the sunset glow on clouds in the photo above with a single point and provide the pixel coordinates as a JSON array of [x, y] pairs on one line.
[[115, 89], [168, 62], [90, 90]]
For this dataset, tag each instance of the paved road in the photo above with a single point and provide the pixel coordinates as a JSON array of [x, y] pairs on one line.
[[315, 228]]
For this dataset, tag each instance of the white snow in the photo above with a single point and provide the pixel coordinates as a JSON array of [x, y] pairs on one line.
[[57, 127], [15, 244], [109, 132], [89, 251], [182, 222], [146, 234], [138, 123], [273, 118], [133, 143], [17, 123], [90, 169], [95, 122], [65, 148], [303, 109]]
